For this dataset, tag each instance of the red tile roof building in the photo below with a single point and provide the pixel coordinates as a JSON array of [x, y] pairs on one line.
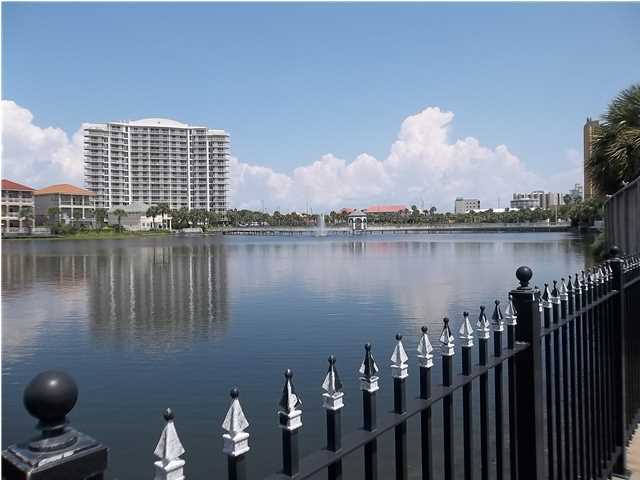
[[14, 186], [386, 208], [17, 206], [72, 203]]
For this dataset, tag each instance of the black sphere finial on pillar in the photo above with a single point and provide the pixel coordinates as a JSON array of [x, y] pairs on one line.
[[60, 450], [524, 274], [614, 251], [49, 397]]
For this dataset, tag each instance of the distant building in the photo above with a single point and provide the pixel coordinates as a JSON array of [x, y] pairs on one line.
[[465, 205], [551, 199], [589, 129], [576, 193], [15, 198], [386, 209], [536, 199], [74, 204], [157, 160], [524, 201], [136, 218]]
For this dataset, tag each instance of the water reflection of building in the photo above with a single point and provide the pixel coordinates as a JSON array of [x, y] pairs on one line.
[[160, 296]]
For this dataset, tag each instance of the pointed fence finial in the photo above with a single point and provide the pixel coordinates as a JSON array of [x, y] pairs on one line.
[[332, 386], [569, 284], [577, 285], [168, 450], [555, 294], [537, 297], [466, 332], [497, 317], [510, 313], [546, 297], [368, 371], [425, 350], [290, 404], [446, 339], [482, 325], [563, 291], [236, 440], [399, 365]]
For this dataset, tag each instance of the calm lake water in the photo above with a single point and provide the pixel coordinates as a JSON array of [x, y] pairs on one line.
[[176, 322]]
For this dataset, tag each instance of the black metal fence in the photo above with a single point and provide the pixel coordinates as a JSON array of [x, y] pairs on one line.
[[622, 211], [571, 363]]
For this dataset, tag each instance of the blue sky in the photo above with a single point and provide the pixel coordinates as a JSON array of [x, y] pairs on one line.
[[293, 82]]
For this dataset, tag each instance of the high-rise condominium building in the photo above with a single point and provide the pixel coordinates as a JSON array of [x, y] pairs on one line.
[[157, 160], [589, 129]]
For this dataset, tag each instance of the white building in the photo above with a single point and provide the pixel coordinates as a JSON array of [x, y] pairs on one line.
[[465, 205], [135, 218], [536, 199], [17, 207], [157, 160]]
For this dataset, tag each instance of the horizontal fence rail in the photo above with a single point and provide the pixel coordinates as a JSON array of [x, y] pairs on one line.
[[569, 365]]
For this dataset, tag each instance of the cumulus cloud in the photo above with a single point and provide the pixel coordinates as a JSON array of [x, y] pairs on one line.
[[38, 156], [423, 165]]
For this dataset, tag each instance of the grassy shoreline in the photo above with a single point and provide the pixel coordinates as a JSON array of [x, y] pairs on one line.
[[94, 235]]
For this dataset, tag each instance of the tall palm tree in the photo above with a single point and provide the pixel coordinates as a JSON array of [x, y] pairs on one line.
[[152, 213], [615, 156], [163, 209], [119, 213]]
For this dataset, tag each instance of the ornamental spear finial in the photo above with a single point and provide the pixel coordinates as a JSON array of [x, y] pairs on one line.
[[564, 292], [497, 317], [332, 386], [555, 293], [236, 440], [466, 332], [425, 350], [169, 447], [446, 339], [482, 325], [510, 313], [290, 412], [289, 401], [399, 366], [546, 297], [368, 371]]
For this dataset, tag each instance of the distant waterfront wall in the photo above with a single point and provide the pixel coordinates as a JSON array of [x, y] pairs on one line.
[[622, 218]]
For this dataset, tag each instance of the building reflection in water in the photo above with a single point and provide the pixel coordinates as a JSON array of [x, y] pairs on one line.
[[159, 297]]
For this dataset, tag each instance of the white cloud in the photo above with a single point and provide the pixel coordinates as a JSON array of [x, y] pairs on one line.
[[38, 156], [423, 164]]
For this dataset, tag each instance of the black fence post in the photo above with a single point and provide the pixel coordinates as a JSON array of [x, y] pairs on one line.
[[400, 372], [369, 387], [620, 361], [60, 451], [498, 328], [529, 391], [466, 338], [290, 415], [425, 361], [482, 327], [332, 401], [448, 350], [236, 440], [566, 379], [511, 320], [548, 374]]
